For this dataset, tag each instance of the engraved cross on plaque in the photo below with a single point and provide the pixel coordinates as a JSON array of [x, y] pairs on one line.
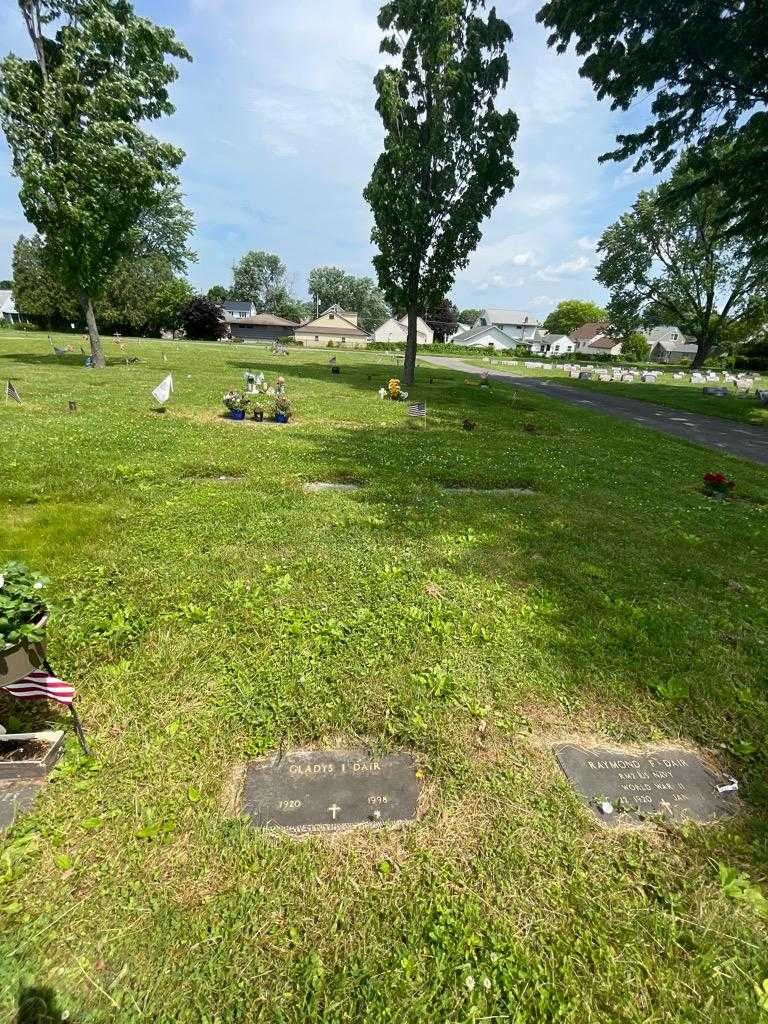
[[334, 809]]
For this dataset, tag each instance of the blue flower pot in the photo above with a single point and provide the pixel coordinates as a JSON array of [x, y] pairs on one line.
[[281, 417], [236, 414]]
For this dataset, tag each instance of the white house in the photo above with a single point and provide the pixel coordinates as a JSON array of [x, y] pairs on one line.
[[396, 330], [515, 323], [552, 345], [236, 310], [8, 309], [594, 339], [486, 337]]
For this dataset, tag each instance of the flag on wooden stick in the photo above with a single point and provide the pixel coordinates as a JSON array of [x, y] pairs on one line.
[[163, 390], [11, 392], [418, 411]]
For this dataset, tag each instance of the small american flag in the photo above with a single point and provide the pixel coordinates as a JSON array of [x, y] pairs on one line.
[[41, 685], [417, 409], [11, 392]]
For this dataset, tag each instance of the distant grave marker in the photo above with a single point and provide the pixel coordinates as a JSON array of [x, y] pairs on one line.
[[318, 486], [329, 790], [625, 787]]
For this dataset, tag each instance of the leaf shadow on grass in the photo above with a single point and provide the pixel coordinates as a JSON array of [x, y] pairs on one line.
[[38, 1005], [51, 359]]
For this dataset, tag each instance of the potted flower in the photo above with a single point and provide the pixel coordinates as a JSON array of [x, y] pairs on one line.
[[23, 615], [282, 409], [393, 387], [237, 403], [717, 485]]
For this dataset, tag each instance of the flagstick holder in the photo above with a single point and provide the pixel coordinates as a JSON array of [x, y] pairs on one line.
[[77, 725]]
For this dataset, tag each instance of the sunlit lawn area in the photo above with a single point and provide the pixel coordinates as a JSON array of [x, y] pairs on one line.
[[208, 621], [666, 391]]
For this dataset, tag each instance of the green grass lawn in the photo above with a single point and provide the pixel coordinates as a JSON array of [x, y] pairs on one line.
[[667, 391], [206, 622]]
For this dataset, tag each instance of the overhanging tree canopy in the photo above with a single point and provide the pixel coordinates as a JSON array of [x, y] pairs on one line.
[[704, 63], [447, 156]]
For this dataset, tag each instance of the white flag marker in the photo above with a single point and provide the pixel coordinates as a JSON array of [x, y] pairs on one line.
[[163, 390]]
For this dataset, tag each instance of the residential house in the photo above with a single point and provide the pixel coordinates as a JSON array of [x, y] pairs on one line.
[[236, 310], [396, 330], [514, 322], [460, 329], [594, 339], [8, 311], [670, 345], [263, 327], [335, 328], [483, 336], [550, 345]]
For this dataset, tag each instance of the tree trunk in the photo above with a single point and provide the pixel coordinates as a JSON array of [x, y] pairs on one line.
[[705, 347], [97, 353], [409, 363]]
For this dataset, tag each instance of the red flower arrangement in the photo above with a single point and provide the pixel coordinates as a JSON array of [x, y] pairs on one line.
[[718, 483]]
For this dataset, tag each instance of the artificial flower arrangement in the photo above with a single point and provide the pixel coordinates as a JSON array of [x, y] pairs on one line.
[[395, 392], [718, 485], [237, 403]]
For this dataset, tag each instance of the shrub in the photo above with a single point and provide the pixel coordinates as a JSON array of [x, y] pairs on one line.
[[21, 602], [203, 320]]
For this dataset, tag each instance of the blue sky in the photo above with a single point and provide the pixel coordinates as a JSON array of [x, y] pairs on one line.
[[277, 120]]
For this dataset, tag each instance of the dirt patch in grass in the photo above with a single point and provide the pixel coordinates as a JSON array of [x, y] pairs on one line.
[[215, 474]]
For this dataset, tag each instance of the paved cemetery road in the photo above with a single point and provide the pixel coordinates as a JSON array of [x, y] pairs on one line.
[[723, 435]]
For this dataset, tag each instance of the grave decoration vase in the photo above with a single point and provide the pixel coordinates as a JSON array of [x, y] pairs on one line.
[[236, 414], [258, 415], [19, 660], [281, 417], [335, 369]]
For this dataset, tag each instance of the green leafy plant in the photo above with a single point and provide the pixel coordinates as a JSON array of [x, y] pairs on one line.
[[737, 886], [21, 605], [282, 406]]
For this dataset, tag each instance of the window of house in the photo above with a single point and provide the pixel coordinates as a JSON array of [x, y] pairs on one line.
[[317, 338], [343, 340], [331, 316]]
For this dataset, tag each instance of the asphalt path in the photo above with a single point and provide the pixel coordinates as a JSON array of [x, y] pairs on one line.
[[710, 431]]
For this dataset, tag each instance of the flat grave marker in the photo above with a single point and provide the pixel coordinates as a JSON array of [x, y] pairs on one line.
[[318, 486], [15, 798], [626, 787], [716, 392], [329, 790]]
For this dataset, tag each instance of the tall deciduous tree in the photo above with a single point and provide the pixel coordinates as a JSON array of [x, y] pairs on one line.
[[89, 173], [35, 290], [262, 278], [332, 285], [469, 316], [572, 313], [444, 320], [447, 156], [704, 63], [681, 263]]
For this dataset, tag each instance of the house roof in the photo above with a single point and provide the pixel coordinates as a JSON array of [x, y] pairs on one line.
[[517, 317], [602, 343], [550, 339], [590, 330], [468, 336], [684, 346], [265, 320], [347, 328]]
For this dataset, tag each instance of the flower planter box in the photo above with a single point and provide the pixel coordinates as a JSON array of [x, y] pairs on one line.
[[18, 661], [236, 414], [29, 755], [281, 417]]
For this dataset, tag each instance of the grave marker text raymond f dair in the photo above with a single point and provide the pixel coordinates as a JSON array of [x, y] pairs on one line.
[[622, 786]]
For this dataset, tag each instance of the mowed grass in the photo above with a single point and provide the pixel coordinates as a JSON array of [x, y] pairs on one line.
[[206, 622], [679, 394]]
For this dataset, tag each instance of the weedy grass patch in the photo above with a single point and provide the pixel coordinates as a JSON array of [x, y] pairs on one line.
[[205, 625]]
